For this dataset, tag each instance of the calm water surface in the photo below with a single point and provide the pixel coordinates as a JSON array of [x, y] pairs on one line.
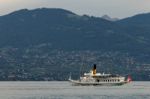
[[64, 90]]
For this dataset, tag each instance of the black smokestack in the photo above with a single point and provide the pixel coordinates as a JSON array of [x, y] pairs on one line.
[[94, 67]]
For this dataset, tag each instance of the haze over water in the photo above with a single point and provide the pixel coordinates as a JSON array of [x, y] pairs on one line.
[[64, 90]]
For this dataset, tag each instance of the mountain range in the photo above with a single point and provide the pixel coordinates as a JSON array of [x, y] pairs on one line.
[[63, 30], [66, 30]]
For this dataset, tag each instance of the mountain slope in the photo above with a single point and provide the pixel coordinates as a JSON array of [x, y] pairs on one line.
[[137, 20], [63, 29], [138, 26]]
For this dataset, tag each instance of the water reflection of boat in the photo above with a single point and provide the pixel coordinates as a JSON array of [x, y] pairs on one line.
[[94, 78]]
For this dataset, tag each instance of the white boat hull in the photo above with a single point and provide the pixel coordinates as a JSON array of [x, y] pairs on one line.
[[77, 82]]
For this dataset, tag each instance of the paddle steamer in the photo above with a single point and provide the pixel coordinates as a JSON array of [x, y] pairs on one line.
[[94, 78]]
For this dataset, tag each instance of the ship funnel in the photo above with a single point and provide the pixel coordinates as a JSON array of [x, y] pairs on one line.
[[94, 69]]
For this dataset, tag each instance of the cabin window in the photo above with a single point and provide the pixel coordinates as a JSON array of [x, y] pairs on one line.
[[97, 80]]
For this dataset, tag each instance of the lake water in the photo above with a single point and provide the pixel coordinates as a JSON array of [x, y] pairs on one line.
[[64, 90]]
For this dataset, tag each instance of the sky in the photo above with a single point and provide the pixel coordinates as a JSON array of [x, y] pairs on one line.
[[113, 8]]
